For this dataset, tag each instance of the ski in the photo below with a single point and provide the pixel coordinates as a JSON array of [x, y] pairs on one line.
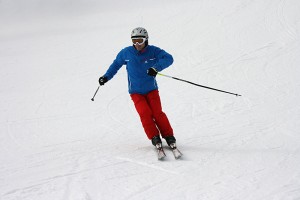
[[177, 154], [160, 152]]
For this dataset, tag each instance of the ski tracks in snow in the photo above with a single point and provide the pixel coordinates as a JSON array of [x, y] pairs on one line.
[[145, 164], [60, 170]]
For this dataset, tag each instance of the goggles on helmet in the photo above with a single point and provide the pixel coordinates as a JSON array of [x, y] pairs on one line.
[[138, 41]]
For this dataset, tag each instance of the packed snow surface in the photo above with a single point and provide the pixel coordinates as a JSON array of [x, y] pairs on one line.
[[57, 144]]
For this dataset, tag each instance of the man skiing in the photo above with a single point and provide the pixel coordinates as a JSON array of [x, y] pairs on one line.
[[143, 62]]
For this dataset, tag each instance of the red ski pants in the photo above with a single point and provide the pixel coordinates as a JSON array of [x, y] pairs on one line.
[[153, 119]]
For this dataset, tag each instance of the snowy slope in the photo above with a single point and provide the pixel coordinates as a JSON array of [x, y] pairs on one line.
[[55, 143]]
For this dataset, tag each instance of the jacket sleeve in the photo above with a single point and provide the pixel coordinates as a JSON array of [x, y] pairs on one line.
[[115, 66], [164, 59]]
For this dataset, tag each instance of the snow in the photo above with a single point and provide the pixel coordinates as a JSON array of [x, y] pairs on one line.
[[55, 143]]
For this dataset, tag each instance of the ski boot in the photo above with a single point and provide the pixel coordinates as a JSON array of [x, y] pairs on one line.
[[171, 141]]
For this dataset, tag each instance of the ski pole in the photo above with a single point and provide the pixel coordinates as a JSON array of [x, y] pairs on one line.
[[95, 93], [198, 84]]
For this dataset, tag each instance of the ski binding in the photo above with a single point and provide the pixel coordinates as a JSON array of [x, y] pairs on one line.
[[177, 154], [160, 152]]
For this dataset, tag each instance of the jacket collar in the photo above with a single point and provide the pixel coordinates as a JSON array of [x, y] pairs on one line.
[[141, 51]]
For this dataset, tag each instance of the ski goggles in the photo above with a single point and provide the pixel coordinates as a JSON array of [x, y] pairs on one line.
[[138, 41]]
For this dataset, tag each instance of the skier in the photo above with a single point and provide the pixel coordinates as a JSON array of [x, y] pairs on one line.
[[143, 62]]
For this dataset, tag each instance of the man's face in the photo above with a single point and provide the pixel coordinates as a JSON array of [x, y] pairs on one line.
[[139, 43]]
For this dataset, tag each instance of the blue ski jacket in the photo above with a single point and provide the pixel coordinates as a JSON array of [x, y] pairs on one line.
[[137, 63]]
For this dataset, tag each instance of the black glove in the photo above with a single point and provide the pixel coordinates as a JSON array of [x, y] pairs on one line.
[[152, 71], [102, 80]]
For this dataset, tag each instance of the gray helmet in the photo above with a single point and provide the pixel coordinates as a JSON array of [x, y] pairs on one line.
[[139, 32]]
